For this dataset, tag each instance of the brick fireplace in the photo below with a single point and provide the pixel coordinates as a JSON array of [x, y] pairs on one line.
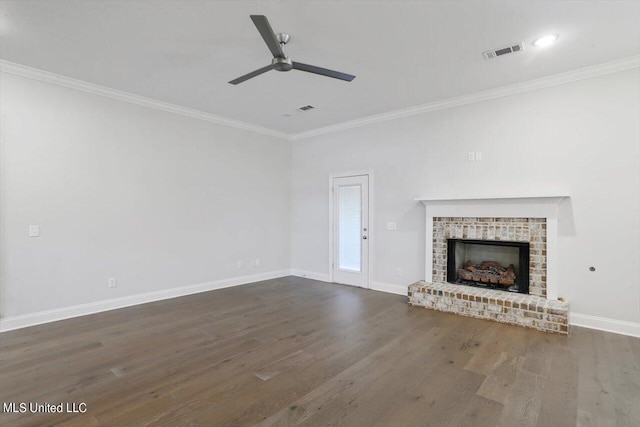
[[516, 222], [520, 230]]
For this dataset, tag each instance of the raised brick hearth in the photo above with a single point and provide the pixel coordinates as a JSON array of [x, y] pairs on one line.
[[516, 309]]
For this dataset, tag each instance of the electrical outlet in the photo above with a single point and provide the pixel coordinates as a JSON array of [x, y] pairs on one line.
[[238, 264], [471, 156], [34, 231], [398, 272], [113, 282], [257, 261], [392, 226], [478, 155]]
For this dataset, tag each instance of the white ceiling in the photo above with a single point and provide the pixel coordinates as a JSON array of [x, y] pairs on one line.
[[404, 53]]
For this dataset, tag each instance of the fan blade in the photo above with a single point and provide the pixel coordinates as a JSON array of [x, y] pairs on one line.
[[252, 74], [262, 24], [322, 71]]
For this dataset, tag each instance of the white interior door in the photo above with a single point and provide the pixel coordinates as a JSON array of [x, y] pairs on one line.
[[351, 230]]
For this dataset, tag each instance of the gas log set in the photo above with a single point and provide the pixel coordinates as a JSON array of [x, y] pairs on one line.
[[488, 274]]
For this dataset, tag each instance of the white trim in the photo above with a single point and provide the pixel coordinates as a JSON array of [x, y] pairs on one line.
[[323, 277], [605, 324], [541, 83], [68, 82], [554, 290], [369, 173], [428, 246], [390, 288], [31, 319], [431, 200]]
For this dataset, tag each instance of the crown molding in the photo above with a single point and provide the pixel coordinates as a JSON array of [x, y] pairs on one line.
[[57, 79], [541, 83]]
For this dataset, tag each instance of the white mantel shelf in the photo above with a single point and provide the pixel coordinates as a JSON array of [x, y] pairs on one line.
[[552, 199], [504, 207], [541, 206]]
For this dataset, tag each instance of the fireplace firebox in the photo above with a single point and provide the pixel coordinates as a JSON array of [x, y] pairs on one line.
[[494, 264]]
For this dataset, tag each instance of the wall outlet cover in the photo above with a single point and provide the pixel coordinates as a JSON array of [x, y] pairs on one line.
[[34, 231]]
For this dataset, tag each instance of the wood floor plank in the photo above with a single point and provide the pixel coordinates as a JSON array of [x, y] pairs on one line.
[[522, 405], [594, 397], [481, 412], [625, 374], [559, 403], [499, 382], [294, 351], [589, 419]]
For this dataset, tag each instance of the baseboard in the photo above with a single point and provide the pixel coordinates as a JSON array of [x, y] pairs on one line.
[[390, 288], [375, 286], [605, 324], [310, 275], [32, 319]]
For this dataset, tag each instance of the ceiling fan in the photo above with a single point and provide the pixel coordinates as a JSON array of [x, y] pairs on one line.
[[280, 61]]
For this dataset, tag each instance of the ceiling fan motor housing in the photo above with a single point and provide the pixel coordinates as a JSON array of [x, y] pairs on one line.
[[282, 64]]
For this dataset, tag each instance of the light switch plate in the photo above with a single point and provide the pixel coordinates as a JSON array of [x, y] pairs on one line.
[[478, 155], [34, 231], [471, 156], [392, 226]]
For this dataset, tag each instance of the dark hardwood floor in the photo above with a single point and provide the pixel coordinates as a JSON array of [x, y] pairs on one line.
[[294, 351]]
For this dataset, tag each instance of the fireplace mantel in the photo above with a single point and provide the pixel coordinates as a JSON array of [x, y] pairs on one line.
[[499, 207], [517, 206], [454, 199]]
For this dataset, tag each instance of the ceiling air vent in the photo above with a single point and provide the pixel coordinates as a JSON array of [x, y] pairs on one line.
[[490, 54], [306, 108]]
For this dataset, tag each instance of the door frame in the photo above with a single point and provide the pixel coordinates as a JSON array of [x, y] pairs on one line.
[[371, 233]]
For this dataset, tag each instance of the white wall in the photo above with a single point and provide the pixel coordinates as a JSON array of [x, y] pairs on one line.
[[154, 199], [581, 139]]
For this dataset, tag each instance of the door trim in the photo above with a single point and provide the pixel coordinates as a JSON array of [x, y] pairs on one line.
[[371, 235]]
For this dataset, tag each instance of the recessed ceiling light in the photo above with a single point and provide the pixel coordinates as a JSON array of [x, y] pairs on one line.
[[546, 40]]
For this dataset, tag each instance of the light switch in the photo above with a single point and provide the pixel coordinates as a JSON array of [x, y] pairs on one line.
[[392, 226], [478, 155], [34, 230]]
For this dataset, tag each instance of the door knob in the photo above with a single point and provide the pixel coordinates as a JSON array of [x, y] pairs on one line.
[[364, 237]]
